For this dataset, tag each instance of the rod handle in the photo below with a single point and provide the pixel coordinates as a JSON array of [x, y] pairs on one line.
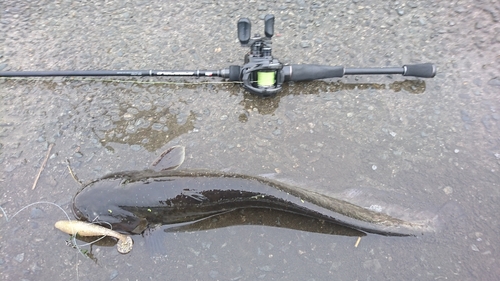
[[305, 72], [425, 70]]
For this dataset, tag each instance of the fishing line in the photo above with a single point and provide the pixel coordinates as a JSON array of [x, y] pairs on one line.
[[73, 237], [32, 204]]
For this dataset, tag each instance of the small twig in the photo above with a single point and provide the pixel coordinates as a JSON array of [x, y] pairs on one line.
[[43, 166], [73, 174]]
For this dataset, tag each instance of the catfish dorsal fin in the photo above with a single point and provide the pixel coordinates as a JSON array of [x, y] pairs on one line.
[[170, 159]]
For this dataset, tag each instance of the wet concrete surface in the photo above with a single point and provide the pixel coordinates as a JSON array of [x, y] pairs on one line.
[[413, 148]]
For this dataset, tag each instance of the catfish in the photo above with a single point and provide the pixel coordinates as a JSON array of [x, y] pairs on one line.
[[134, 201]]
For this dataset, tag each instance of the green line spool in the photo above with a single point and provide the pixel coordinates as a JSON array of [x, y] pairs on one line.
[[266, 78]]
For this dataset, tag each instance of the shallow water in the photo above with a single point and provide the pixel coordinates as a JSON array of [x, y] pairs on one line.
[[413, 148]]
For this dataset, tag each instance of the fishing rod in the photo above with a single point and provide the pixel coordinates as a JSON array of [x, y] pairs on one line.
[[261, 74]]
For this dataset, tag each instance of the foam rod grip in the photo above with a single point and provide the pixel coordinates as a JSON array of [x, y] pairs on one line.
[[425, 70], [305, 72]]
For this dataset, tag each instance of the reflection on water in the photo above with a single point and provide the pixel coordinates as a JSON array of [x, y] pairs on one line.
[[241, 217], [267, 106], [266, 217], [151, 129], [150, 113]]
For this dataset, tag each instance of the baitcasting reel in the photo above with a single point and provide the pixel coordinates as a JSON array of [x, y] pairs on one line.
[[264, 75], [261, 74]]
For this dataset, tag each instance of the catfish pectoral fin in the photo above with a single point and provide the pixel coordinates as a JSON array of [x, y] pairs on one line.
[[141, 226]]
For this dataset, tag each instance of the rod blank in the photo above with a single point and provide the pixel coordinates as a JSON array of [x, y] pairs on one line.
[[196, 73]]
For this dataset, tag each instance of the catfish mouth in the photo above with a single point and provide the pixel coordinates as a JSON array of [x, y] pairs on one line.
[[79, 215]]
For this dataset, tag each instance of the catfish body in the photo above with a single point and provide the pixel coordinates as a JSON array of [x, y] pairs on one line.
[[134, 201]]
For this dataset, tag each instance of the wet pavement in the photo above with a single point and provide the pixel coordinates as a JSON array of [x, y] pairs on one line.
[[414, 148]]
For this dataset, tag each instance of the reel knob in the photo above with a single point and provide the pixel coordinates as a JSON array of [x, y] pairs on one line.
[[269, 26], [244, 29]]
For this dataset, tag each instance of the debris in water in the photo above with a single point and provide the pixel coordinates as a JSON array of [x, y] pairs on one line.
[[357, 242], [43, 166]]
